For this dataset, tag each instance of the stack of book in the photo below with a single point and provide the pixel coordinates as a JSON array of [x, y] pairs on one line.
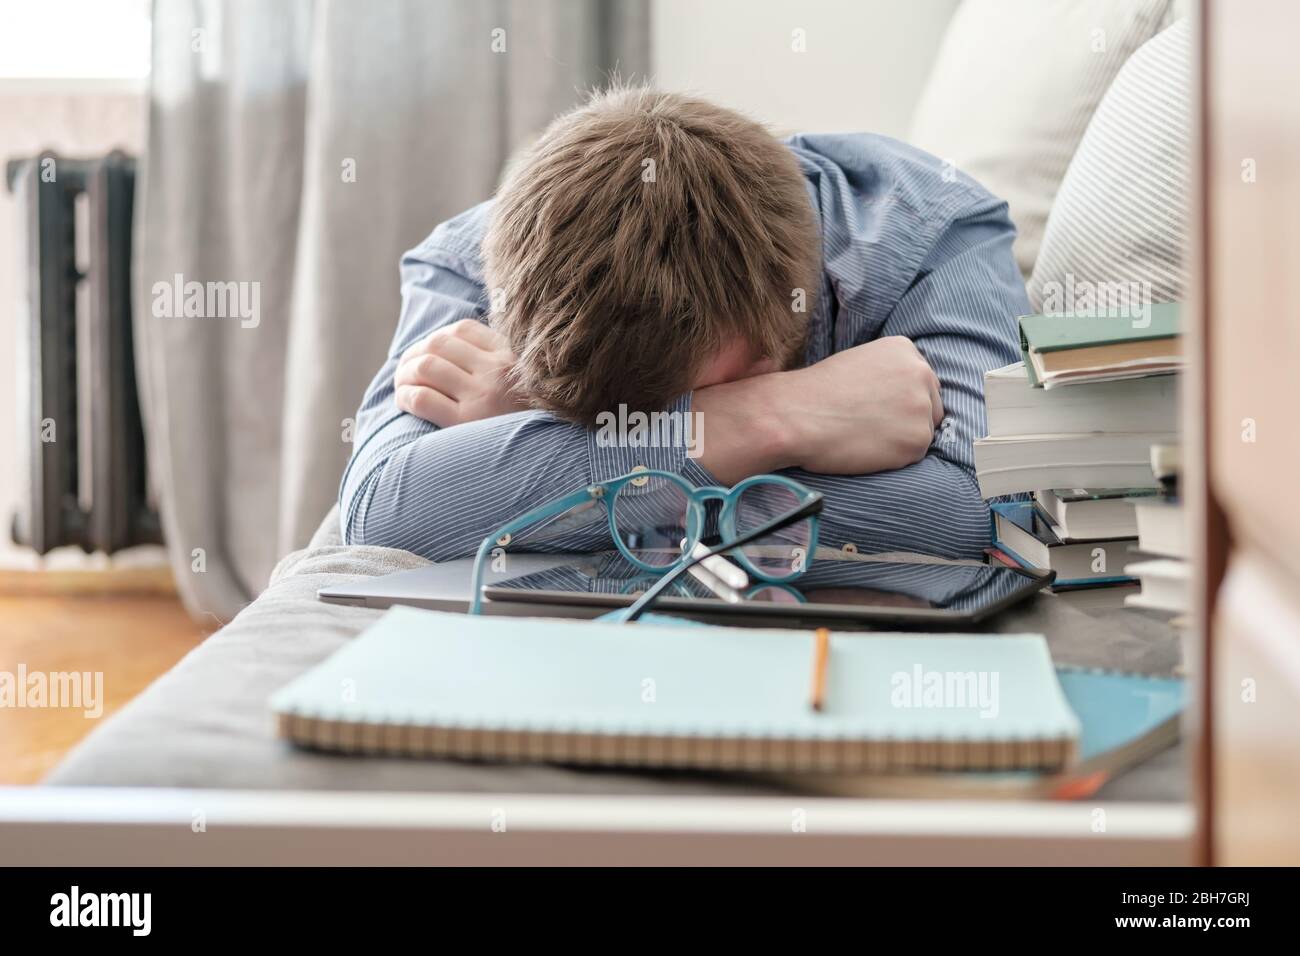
[[1070, 433], [1162, 534]]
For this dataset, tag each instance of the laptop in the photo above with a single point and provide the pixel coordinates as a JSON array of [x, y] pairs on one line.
[[845, 590], [439, 587]]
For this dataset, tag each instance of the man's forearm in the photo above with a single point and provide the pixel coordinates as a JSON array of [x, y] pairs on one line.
[[869, 450], [745, 428], [870, 408], [440, 492]]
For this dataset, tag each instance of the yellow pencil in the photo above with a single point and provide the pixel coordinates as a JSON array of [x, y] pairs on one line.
[[820, 660]]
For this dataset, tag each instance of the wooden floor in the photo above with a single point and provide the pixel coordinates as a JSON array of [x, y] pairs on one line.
[[130, 639]]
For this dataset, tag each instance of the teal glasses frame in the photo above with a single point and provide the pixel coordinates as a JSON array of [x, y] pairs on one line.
[[809, 507]]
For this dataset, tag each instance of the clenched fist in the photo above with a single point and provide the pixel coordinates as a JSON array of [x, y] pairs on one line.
[[870, 408], [457, 374]]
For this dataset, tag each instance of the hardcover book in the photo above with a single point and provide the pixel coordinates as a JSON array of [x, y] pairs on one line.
[[1073, 349], [1023, 533]]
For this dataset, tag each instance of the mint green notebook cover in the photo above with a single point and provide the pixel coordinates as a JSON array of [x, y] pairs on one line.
[[553, 681]]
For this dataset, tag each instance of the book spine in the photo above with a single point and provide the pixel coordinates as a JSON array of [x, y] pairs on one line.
[[1024, 353]]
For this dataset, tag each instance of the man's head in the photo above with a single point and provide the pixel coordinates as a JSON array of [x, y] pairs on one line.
[[647, 244]]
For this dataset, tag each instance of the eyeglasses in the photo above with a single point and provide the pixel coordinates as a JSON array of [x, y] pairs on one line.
[[657, 520]]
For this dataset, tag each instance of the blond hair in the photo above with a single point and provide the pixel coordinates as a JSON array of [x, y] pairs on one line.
[[642, 233]]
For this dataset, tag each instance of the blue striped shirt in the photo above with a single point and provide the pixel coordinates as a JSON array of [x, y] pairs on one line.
[[910, 247]]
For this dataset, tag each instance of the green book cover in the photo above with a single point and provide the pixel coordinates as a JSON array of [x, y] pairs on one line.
[[1056, 333]]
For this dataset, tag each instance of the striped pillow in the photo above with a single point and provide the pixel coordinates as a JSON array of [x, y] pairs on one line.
[[1120, 216], [1013, 88]]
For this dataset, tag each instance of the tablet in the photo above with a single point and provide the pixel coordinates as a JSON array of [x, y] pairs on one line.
[[841, 590]]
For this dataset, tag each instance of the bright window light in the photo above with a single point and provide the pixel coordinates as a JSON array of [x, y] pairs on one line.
[[74, 39]]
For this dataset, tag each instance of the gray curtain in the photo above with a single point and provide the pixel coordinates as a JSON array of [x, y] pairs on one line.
[[295, 149]]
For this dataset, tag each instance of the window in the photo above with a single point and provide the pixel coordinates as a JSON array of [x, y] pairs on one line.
[[74, 39]]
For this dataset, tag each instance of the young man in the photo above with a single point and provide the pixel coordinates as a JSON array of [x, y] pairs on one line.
[[828, 306]]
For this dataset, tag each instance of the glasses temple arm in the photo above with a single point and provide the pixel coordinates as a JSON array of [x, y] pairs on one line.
[[559, 506]]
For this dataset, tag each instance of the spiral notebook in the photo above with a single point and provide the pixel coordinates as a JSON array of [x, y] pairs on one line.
[[432, 684], [1125, 719]]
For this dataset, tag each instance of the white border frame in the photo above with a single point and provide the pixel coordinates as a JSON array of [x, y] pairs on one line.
[[94, 826]]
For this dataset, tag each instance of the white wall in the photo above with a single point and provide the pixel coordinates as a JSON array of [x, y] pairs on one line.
[[863, 68]]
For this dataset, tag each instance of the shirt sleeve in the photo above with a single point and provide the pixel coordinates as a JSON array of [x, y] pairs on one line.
[[438, 492]]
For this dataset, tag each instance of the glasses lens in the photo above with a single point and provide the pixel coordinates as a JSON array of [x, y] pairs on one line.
[[783, 553], [774, 594], [651, 520]]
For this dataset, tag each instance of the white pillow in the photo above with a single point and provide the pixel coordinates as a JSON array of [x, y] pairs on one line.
[[1120, 219], [1013, 88]]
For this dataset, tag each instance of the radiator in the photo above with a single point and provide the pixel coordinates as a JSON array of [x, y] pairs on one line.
[[81, 442]]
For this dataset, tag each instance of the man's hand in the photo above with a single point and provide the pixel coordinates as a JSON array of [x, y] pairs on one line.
[[870, 408], [455, 375]]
